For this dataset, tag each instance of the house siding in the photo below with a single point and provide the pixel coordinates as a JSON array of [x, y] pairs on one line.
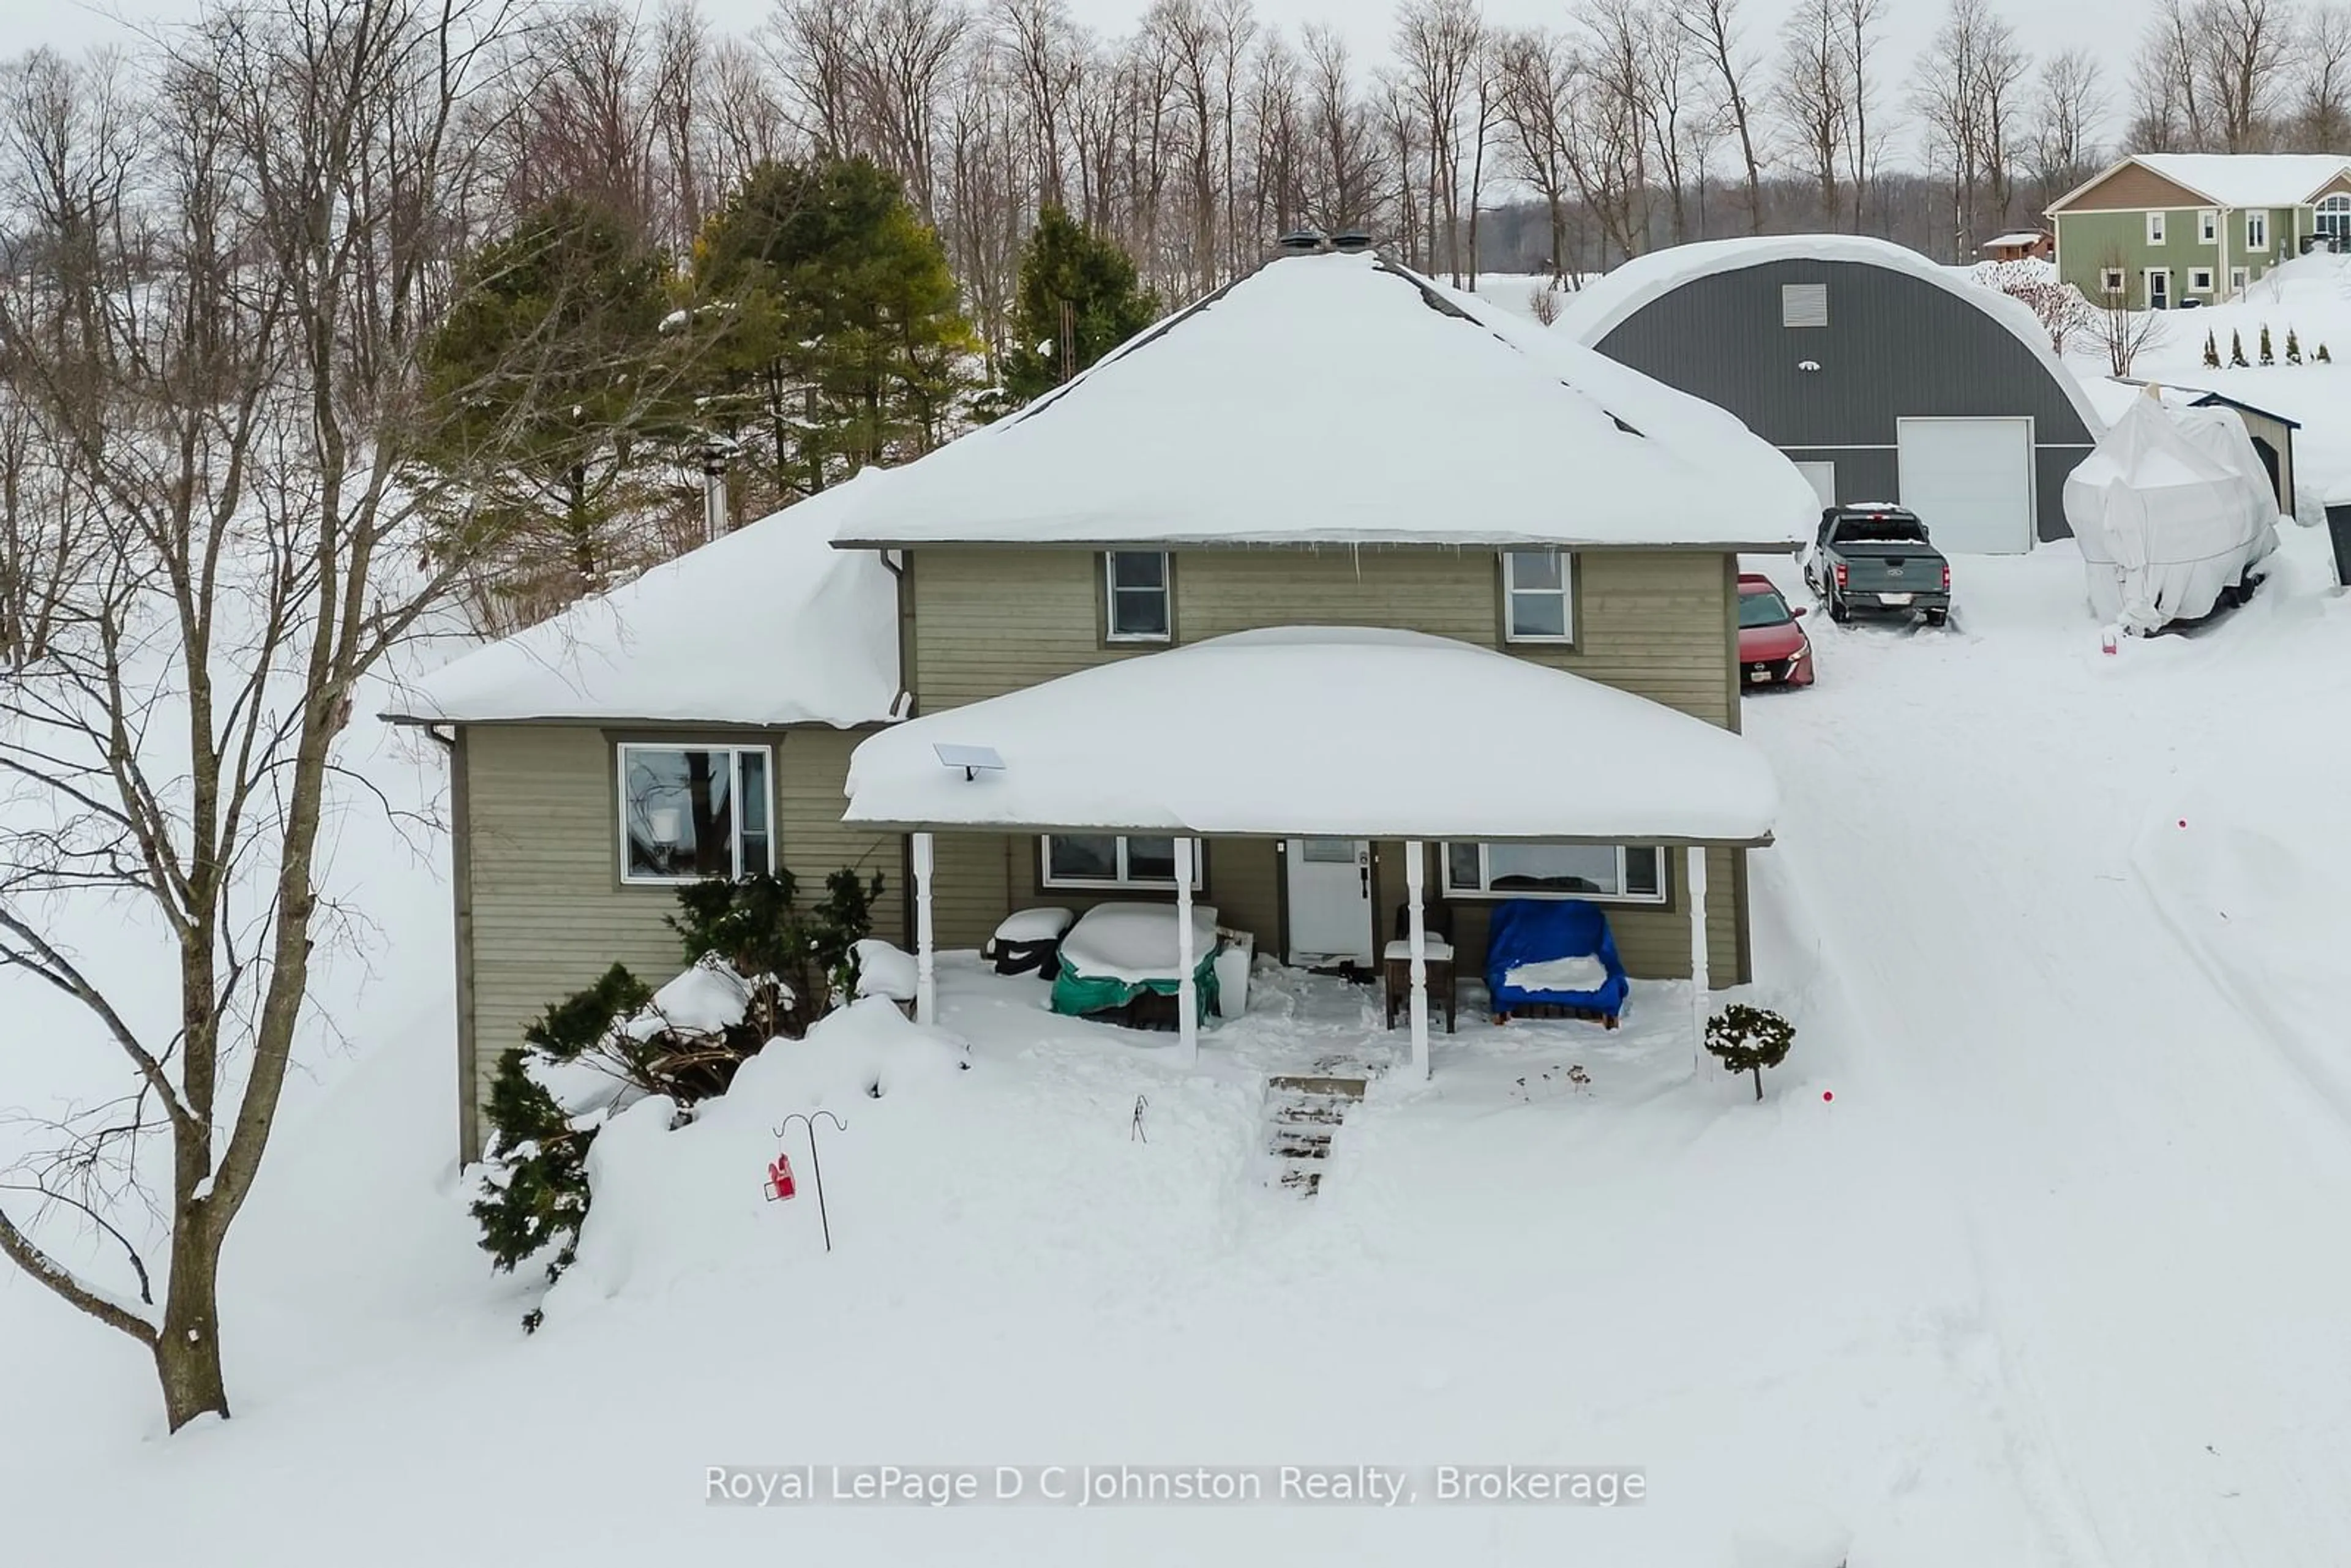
[[542, 909], [2089, 241], [1720, 337], [989, 621]]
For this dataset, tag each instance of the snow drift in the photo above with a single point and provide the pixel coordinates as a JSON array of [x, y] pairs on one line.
[[2172, 509]]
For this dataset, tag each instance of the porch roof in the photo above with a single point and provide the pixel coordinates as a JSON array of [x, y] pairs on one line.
[[1324, 732]]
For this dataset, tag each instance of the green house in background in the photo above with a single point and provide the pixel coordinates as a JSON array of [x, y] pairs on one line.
[[2164, 229]]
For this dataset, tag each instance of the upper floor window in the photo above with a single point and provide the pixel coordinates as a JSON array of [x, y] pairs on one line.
[[2155, 228], [1112, 860], [2208, 226], [694, 812], [2257, 231], [1538, 597], [1632, 873], [2334, 218], [1138, 607]]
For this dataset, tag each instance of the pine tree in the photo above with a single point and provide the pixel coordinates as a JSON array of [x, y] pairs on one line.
[[2324, 357], [836, 322], [2293, 348], [2212, 352], [549, 379], [2237, 349], [1078, 299], [2268, 357]]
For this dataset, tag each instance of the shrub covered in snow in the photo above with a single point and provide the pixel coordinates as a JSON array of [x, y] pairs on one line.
[[758, 967], [1749, 1040]]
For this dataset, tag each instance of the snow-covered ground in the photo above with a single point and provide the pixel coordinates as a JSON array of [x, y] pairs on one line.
[[2311, 296], [2054, 1278]]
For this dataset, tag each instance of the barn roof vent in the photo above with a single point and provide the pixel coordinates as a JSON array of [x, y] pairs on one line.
[[1302, 242], [1351, 241]]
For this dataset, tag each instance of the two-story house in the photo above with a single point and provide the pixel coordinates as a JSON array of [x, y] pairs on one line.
[[2158, 230], [1330, 443]]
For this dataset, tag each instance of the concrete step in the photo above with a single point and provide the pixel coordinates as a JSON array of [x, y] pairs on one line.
[[1304, 1180], [1297, 1145], [1322, 1085]]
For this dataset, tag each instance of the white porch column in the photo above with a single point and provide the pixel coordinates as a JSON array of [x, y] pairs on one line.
[[926, 981], [1415, 876], [1694, 856], [1187, 999]]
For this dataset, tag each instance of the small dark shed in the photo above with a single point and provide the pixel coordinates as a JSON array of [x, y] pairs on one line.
[[1881, 375]]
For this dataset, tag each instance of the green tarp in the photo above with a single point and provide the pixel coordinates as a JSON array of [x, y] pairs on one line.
[[1079, 995]]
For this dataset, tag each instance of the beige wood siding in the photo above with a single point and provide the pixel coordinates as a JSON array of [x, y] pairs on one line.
[[2133, 188], [1659, 623], [988, 622], [547, 910]]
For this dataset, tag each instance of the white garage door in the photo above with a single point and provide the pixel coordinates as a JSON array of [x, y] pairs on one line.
[[1971, 482]]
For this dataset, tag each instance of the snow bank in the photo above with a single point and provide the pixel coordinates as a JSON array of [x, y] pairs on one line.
[[1557, 755], [1341, 399], [1136, 942], [767, 625], [667, 1203], [1610, 300]]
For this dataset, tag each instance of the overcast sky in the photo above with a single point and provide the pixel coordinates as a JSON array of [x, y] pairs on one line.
[[2045, 26]]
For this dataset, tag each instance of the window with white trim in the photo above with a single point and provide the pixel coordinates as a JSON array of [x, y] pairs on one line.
[[1538, 596], [693, 811], [1624, 873], [2155, 228], [2199, 280], [2257, 232], [2237, 280], [1113, 859], [2333, 218], [2110, 279], [2208, 226], [1138, 603]]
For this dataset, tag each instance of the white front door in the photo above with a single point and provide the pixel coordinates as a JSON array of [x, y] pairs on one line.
[[1971, 482], [1329, 901]]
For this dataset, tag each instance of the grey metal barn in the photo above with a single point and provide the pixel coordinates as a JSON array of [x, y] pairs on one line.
[[1881, 375]]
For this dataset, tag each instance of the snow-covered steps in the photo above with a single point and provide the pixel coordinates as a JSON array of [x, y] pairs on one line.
[[1301, 1112]]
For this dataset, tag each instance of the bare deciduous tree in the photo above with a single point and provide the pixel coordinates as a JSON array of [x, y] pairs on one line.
[[1713, 29], [242, 392]]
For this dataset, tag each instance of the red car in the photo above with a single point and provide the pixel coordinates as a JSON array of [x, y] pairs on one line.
[[1772, 649]]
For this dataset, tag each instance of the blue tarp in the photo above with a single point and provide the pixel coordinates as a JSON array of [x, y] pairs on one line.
[[1531, 930]]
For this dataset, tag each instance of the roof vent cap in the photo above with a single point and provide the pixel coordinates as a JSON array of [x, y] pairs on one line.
[[1351, 240], [1303, 242]]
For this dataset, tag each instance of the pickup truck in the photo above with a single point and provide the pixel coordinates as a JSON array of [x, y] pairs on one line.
[[1872, 558]]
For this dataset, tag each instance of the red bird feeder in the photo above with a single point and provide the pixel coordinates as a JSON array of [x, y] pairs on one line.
[[780, 1178]]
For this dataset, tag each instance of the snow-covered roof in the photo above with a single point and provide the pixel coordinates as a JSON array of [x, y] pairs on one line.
[[770, 625], [2244, 179], [1339, 398], [2010, 241], [1606, 303], [1265, 732]]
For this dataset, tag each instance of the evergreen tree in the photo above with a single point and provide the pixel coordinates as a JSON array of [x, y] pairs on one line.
[[1749, 1040], [2268, 357], [2293, 347], [835, 321], [2237, 349], [550, 377], [1078, 299], [2212, 352], [2322, 356]]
